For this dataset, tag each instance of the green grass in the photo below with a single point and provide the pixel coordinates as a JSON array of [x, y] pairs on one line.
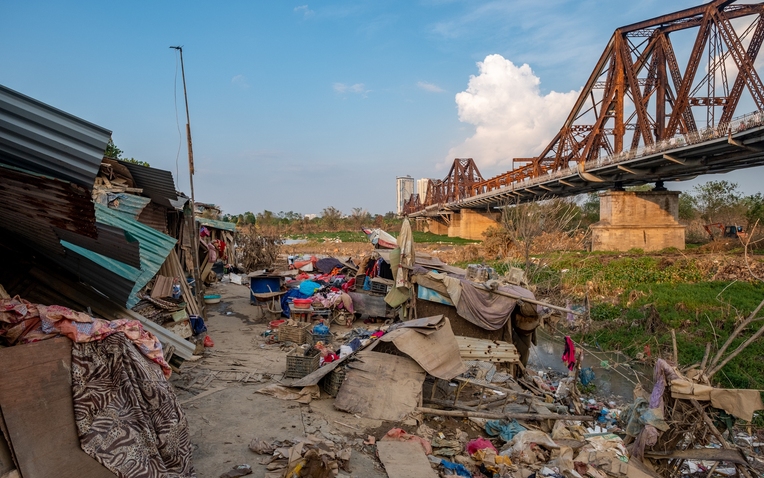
[[624, 288], [703, 312], [358, 236]]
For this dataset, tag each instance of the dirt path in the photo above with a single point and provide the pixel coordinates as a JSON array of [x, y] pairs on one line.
[[223, 423]]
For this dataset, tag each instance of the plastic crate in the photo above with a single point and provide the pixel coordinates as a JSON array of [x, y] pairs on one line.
[[294, 333], [313, 339], [298, 365], [333, 381]]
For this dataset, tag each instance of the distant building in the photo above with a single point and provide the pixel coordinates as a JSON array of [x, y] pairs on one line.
[[311, 216], [421, 189], [405, 188]]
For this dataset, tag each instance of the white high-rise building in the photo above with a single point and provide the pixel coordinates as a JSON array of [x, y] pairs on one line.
[[421, 189], [405, 188]]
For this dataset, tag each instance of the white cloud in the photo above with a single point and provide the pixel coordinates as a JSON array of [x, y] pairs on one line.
[[511, 116], [356, 88], [431, 87], [240, 81], [304, 11]]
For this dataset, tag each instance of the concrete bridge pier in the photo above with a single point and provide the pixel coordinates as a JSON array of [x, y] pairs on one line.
[[466, 223], [647, 220]]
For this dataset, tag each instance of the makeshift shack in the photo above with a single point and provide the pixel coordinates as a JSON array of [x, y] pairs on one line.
[[73, 267]]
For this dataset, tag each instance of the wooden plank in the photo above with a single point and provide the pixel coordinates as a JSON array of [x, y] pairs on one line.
[[36, 401], [487, 350], [404, 460]]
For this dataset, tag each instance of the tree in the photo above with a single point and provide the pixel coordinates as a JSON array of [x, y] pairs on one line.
[[717, 201], [524, 223], [754, 210], [113, 152], [687, 207], [331, 216], [359, 216], [590, 209]]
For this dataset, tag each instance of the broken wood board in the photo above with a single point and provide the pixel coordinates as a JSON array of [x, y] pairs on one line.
[[7, 460], [431, 343], [36, 402], [404, 459], [314, 377], [732, 455], [487, 350], [162, 287], [381, 386]]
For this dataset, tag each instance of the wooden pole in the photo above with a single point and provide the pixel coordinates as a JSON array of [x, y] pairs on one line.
[[499, 416], [194, 229], [673, 343], [734, 334]]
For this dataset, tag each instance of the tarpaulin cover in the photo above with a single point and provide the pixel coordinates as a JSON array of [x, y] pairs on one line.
[[431, 343], [328, 264], [486, 309]]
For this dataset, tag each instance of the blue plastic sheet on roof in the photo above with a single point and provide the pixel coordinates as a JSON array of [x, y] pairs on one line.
[[154, 249]]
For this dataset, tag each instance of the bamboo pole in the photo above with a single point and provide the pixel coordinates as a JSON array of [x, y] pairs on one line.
[[525, 299], [499, 416]]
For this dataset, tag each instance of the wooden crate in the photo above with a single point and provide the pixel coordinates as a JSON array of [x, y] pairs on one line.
[[294, 333], [298, 365]]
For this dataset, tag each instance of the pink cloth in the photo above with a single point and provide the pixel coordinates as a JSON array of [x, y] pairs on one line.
[[397, 434], [22, 322], [479, 443]]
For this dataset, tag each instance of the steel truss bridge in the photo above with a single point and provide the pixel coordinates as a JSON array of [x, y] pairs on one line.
[[639, 117]]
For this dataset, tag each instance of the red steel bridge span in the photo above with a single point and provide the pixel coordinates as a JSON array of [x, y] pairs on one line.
[[645, 115]]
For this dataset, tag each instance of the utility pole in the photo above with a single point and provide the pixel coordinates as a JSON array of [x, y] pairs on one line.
[[195, 236]]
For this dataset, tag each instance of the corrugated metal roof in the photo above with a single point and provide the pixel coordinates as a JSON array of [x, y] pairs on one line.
[[128, 203], [154, 249], [214, 223], [31, 204], [157, 184], [39, 138], [111, 242]]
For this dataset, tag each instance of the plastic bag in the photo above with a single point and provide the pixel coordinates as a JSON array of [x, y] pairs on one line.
[[208, 341]]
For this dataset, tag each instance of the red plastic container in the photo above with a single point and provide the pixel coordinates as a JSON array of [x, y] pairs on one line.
[[302, 303], [274, 324]]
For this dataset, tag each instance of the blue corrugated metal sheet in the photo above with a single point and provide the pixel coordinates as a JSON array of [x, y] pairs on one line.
[[154, 249], [213, 223], [128, 203], [42, 139]]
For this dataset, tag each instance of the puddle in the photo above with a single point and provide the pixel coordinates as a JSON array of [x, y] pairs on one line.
[[618, 379], [224, 310]]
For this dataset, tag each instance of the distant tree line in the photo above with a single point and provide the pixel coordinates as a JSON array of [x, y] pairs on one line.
[[331, 219]]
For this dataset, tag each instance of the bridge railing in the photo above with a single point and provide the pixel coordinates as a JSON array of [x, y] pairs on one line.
[[747, 121]]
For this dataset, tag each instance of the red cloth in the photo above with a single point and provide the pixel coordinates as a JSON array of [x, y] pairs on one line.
[[569, 355], [480, 443]]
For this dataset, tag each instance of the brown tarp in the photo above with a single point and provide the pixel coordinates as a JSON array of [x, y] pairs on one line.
[[381, 386], [36, 402], [431, 343], [740, 403]]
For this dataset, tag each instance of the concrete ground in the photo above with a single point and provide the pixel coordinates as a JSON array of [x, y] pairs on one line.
[[224, 412]]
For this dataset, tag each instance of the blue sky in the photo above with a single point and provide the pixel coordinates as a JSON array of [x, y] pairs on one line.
[[300, 106]]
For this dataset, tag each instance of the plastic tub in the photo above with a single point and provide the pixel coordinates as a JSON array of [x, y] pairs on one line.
[[212, 299], [274, 324], [302, 303]]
